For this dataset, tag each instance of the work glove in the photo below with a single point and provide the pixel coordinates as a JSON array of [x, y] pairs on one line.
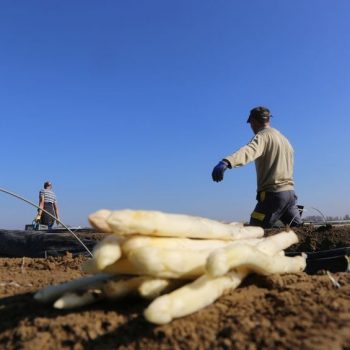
[[218, 171], [37, 218]]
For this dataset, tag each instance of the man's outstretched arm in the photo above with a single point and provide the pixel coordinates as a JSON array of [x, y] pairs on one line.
[[244, 155]]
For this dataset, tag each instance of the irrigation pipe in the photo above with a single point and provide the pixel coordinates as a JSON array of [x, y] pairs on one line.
[[53, 216]]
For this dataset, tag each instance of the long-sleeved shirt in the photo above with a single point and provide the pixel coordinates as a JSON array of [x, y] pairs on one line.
[[274, 160]]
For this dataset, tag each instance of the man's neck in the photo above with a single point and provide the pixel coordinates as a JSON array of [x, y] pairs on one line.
[[266, 126]]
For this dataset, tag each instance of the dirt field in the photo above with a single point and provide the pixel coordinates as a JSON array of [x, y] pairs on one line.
[[293, 311]]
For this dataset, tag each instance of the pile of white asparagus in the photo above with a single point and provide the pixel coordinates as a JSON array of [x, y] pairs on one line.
[[182, 263]]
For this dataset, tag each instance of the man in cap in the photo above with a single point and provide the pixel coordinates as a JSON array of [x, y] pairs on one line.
[[274, 160], [48, 202]]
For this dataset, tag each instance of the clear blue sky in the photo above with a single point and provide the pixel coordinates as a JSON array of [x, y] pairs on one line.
[[130, 104]]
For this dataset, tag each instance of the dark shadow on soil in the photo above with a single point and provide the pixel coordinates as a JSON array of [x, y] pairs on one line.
[[11, 309], [130, 332]]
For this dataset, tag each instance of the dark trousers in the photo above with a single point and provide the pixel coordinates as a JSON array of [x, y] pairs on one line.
[[47, 219], [273, 206]]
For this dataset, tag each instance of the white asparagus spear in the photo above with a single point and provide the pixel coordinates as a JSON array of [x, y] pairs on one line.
[[191, 297], [220, 262], [107, 251], [135, 242], [125, 267], [169, 263], [98, 220], [51, 293], [146, 286], [153, 287], [121, 288], [155, 223], [75, 299], [172, 263], [278, 242]]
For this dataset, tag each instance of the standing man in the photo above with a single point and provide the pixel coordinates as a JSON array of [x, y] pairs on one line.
[[47, 201], [274, 160]]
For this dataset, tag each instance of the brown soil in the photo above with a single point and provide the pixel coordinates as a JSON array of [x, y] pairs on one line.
[[293, 311]]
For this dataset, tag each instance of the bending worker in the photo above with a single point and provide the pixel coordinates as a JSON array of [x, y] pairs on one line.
[[274, 159], [48, 202]]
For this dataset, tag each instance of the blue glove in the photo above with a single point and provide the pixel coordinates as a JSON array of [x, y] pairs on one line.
[[218, 171]]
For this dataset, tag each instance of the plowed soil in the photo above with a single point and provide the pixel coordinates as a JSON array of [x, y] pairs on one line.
[[292, 311]]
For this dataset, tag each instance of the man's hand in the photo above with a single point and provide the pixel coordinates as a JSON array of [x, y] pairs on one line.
[[37, 218], [218, 171]]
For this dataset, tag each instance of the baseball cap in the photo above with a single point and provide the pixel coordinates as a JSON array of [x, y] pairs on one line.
[[259, 113]]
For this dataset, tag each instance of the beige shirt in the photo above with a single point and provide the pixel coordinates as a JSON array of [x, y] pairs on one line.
[[274, 160]]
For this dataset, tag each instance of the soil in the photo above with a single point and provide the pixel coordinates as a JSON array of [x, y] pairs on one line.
[[292, 311]]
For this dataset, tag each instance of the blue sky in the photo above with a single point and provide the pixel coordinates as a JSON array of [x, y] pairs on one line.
[[130, 104]]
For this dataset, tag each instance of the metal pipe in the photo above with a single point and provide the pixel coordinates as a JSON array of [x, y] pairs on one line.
[[305, 209]]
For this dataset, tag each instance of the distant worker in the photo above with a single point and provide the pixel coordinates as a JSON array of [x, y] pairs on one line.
[[48, 202], [274, 161]]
